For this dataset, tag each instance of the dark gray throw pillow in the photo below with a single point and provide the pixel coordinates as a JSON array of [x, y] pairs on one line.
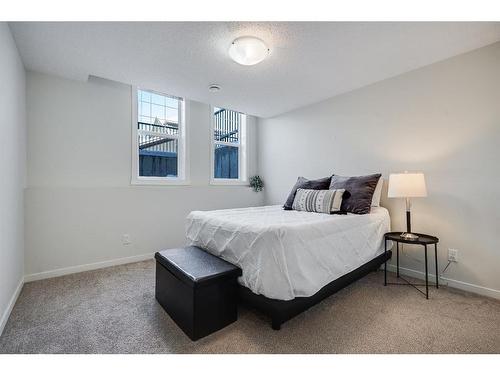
[[360, 191], [304, 183]]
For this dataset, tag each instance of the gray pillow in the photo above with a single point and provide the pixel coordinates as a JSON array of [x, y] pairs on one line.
[[359, 192], [304, 183]]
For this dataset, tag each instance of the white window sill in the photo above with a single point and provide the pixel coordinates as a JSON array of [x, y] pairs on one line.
[[228, 182], [159, 182]]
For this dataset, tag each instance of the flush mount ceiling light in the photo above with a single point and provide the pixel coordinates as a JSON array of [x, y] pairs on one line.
[[214, 87], [248, 50]]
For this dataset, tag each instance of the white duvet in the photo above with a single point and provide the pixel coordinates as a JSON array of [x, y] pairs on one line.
[[288, 254]]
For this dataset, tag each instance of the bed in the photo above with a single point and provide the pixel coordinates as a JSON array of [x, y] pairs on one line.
[[291, 259]]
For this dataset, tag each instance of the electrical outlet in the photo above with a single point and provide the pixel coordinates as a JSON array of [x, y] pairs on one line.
[[453, 255], [126, 239]]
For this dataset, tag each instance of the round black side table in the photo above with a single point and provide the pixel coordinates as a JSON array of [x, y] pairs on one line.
[[424, 240]]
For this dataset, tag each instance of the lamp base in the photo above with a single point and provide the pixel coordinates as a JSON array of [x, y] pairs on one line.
[[409, 236]]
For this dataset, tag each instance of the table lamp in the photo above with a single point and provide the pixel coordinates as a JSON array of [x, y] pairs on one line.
[[407, 185]]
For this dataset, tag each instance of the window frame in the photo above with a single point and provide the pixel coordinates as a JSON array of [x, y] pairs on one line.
[[242, 151], [182, 177]]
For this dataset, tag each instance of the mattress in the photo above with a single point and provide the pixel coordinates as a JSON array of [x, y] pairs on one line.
[[288, 254]]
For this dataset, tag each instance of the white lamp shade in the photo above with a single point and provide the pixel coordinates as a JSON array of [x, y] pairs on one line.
[[248, 50], [406, 185]]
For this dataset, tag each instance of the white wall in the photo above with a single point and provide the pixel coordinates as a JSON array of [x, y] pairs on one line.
[[12, 171], [79, 201], [443, 119]]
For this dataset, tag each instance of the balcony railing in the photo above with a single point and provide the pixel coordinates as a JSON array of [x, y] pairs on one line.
[[158, 155], [227, 125], [148, 142]]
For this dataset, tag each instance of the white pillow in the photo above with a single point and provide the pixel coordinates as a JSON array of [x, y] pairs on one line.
[[377, 193], [323, 201]]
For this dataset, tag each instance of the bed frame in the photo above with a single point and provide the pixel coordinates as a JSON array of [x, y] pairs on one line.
[[281, 311]]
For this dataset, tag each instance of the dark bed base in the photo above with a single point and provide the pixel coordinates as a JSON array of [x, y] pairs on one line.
[[282, 311]]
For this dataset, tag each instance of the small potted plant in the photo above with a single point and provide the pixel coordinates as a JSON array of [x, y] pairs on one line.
[[256, 183]]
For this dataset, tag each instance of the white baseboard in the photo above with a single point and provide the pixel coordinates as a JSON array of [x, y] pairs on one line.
[[478, 289], [10, 306], [86, 267]]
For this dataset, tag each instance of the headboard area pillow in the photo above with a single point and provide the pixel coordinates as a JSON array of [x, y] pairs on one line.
[[323, 201], [359, 192], [304, 183]]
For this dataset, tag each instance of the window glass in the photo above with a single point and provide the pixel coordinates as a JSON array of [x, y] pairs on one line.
[[226, 162], [227, 150], [227, 125], [158, 134]]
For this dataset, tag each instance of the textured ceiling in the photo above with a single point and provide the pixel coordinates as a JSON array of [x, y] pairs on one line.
[[308, 62]]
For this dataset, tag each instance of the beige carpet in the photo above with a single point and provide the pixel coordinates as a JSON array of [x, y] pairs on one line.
[[113, 310]]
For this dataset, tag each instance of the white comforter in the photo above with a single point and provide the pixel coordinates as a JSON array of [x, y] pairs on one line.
[[288, 254]]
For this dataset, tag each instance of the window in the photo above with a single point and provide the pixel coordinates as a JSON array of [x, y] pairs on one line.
[[159, 138], [228, 146]]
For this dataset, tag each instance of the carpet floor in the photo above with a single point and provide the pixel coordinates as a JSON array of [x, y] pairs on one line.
[[113, 310]]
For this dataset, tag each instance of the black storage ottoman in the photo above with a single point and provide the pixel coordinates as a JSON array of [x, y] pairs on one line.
[[197, 289]]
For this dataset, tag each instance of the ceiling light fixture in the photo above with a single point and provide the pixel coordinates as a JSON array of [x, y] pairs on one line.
[[248, 50], [214, 87]]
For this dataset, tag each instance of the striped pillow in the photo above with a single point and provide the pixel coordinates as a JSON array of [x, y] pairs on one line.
[[324, 201]]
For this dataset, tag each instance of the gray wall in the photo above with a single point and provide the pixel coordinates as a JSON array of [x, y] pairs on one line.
[[79, 201], [444, 120], [12, 170]]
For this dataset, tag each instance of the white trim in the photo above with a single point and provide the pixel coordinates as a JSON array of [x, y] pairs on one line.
[[242, 153], [244, 149], [147, 181], [462, 285], [228, 182], [10, 306], [225, 143], [182, 138], [86, 267]]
